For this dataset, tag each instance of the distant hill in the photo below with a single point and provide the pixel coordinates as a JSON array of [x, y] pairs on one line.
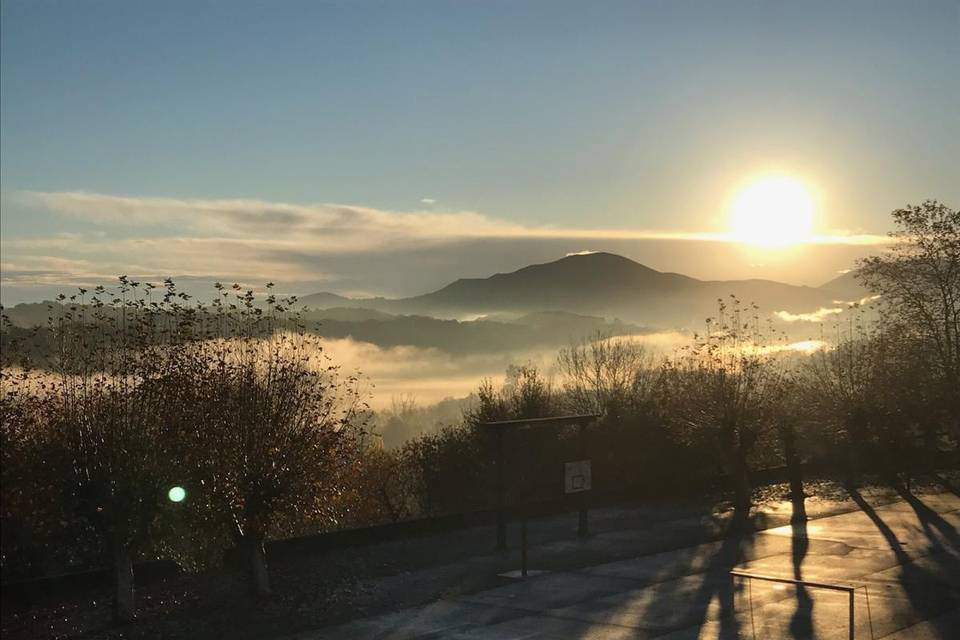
[[846, 287], [475, 336], [543, 304], [518, 334], [31, 314], [583, 282], [325, 299], [601, 284], [348, 314]]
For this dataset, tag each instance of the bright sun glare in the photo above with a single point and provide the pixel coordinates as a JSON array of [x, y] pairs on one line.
[[773, 212]]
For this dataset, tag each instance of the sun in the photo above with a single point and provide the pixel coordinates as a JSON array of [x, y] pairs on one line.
[[772, 212]]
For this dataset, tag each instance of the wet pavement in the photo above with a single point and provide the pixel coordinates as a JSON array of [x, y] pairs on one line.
[[902, 558]]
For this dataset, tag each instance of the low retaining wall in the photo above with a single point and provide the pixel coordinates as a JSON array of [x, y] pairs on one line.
[[26, 592]]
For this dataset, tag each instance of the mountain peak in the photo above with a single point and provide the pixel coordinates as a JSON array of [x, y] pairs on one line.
[[598, 257], [574, 282], [595, 262]]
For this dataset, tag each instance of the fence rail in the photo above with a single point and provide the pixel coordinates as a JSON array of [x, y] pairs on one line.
[[850, 590]]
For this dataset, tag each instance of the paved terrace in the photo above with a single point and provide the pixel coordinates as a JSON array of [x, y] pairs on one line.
[[906, 553]]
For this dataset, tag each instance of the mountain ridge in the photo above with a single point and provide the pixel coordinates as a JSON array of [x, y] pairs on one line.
[[599, 283]]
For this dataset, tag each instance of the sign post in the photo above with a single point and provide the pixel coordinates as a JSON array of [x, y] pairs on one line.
[[577, 479], [501, 494]]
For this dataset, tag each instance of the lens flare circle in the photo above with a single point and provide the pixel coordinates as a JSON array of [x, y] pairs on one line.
[[772, 212], [177, 494]]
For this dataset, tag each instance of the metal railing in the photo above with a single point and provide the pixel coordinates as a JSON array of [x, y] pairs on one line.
[[849, 589]]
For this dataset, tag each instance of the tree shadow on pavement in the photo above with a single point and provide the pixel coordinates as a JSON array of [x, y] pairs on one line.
[[946, 484], [690, 610], [801, 623], [931, 521], [923, 588]]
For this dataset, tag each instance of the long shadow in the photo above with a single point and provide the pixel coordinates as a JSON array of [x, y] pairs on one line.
[[715, 583], [921, 586], [946, 484], [930, 520], [801, 623]]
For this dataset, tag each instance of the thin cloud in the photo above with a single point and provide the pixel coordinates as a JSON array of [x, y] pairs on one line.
[[805, 347], [813, 316], [249, 240], [361, 225], [857, 303], [823, 312], [351, 224]]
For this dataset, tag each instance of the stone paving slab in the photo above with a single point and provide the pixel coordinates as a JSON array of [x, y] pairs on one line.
[[549, 591], [439, 619]]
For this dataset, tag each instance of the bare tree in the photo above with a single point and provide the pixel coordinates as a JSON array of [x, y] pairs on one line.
[[602, 373], [723, 391]]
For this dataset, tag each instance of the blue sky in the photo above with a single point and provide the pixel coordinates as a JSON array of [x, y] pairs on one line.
[[489, 121]]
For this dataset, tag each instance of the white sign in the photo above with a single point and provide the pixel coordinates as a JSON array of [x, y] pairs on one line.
[[577, 476]]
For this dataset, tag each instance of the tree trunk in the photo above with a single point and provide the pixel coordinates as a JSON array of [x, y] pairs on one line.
[[795, 476], [855, 444], [257, 559], [742, 491], [932, 457], [124, 609], [739, 476]]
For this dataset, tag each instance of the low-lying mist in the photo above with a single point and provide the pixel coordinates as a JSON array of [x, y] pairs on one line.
[[431, 375]]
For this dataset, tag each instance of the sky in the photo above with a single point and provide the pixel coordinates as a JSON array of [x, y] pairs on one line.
[[387, 148]]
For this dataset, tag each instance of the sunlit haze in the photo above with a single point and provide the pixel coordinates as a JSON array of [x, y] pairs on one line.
[[449, 319], [773, 211], [333, 151]]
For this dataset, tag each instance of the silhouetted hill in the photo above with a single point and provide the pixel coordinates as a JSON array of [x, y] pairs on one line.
[[576, 282], [600, 284]]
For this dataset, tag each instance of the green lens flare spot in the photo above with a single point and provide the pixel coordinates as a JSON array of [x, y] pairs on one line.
[[177, 494]]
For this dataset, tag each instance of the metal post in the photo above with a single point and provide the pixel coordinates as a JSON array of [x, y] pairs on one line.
[[501, 494], [523, 546], [816, 585], [852, 627], [583, 528]]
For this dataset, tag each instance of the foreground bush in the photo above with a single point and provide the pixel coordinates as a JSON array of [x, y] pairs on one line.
[[234, 403], [265, 432]]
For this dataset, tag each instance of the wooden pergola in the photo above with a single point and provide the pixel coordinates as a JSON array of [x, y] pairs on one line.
[[500, 429]]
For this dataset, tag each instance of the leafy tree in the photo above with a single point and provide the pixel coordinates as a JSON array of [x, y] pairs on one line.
[[388, 485], [792, 425], [94, 424], [919, 281], [267, 428], [139, 390], [28, 500], [451, 468]]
